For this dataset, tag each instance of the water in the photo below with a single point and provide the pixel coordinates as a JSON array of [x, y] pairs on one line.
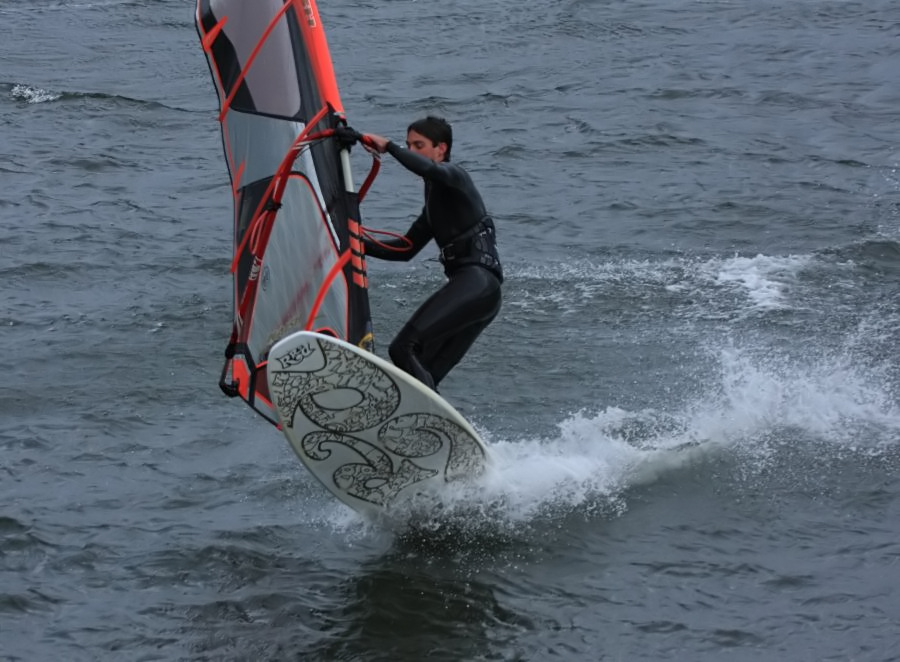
[[692, 388]]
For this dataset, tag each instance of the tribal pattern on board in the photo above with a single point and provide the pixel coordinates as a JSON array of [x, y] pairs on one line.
[[343, 393]]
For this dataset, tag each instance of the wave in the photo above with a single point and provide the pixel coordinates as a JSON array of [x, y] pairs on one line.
[[787, 354], [39, 6], [754, 408], [718, 285], [32, 94]]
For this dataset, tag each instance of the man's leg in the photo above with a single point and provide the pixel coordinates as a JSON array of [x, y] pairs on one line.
[[440, 332], [454, 349]]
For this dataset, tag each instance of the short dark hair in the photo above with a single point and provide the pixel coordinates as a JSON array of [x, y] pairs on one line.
[[436, 129]]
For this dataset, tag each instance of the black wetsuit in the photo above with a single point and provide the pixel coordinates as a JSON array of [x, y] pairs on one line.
[[441, 331]]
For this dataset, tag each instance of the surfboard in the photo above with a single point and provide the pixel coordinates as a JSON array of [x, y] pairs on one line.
[[373, 435]]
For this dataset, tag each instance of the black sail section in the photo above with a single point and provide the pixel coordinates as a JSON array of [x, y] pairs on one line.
[[297, 263]]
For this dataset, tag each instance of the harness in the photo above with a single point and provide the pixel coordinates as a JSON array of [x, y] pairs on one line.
[[461, 246], [477, 245]]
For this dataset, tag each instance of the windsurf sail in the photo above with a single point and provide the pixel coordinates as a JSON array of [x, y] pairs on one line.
[[298, 262]]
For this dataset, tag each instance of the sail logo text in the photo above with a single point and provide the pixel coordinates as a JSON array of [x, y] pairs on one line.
[[310, 15]]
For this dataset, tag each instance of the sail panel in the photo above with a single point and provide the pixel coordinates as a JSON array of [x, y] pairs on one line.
[[295, 219], [288, 286]]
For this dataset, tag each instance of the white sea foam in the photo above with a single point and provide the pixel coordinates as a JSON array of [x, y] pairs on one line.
[[31, 94], [596, 457], [755, 398], [765, 279]]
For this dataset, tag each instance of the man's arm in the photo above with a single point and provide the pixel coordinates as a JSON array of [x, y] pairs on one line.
[[443, 173]]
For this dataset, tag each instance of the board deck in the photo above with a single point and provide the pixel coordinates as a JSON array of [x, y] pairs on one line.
[[372, 434]]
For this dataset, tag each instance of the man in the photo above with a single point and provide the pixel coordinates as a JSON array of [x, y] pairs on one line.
[[444, 327]]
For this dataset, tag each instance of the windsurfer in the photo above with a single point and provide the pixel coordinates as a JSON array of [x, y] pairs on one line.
[[444, 327]]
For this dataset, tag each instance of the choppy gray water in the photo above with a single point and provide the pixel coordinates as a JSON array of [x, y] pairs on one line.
[[692, 388]]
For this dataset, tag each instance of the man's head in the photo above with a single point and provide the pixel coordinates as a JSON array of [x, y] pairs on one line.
[[431, 137]]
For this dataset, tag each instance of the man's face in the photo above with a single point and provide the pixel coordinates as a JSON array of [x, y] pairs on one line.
[[419, 144]]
